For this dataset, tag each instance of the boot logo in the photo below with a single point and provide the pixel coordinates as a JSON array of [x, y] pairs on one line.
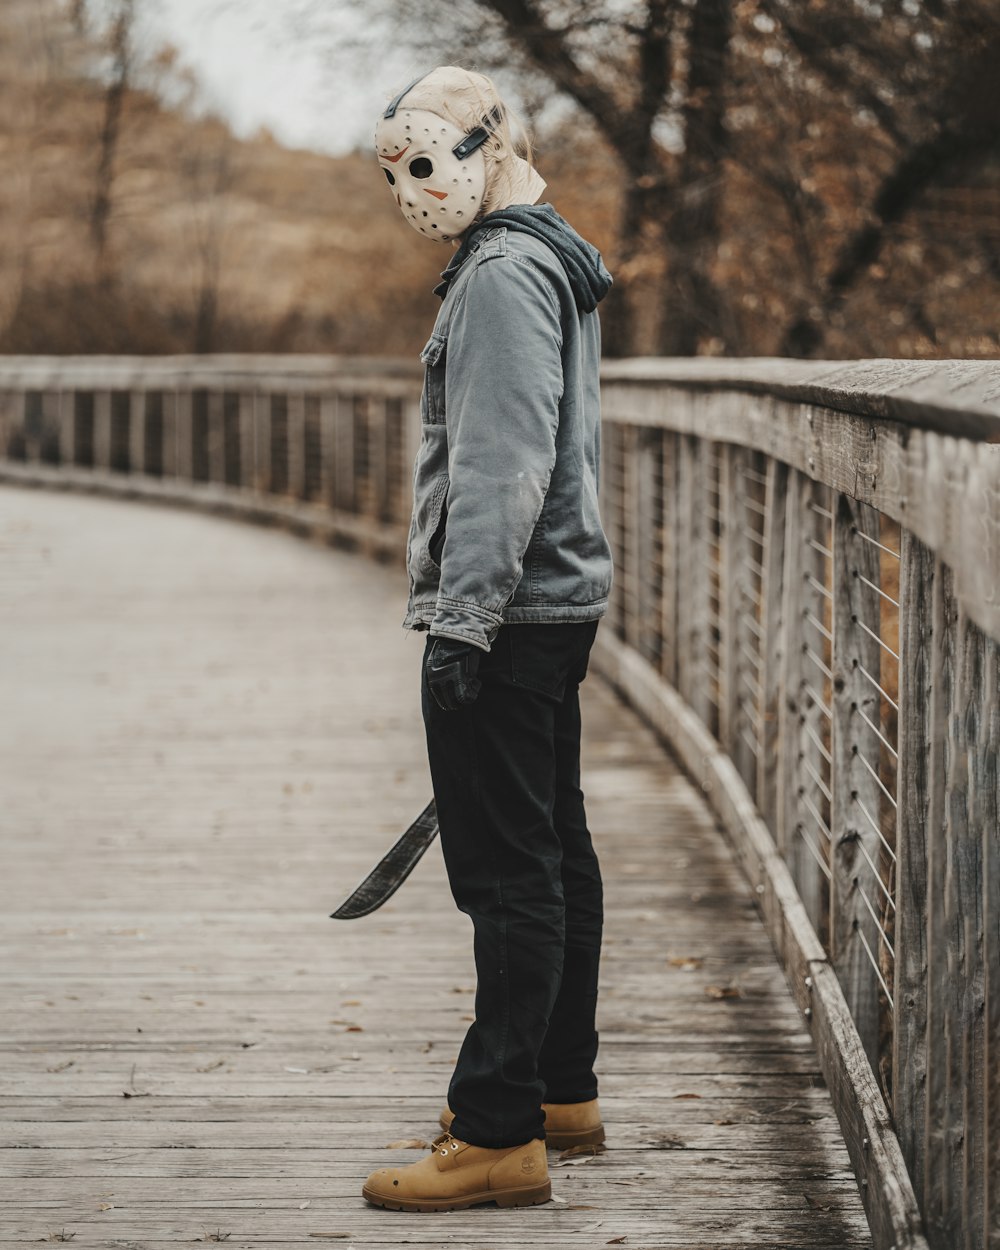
[[528, 1163]]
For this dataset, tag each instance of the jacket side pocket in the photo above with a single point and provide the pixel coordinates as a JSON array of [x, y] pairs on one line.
[[433, 359]]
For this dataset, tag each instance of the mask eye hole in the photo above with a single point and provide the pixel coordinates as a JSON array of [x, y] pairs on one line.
[[421, 167], [388, 176]]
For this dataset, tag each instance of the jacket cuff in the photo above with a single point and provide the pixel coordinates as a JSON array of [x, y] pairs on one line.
[[465, 622]]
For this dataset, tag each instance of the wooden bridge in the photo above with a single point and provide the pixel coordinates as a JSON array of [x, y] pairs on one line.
[[791, 753]]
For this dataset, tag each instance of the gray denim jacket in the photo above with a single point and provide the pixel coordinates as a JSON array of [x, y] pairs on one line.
[[505, 523]]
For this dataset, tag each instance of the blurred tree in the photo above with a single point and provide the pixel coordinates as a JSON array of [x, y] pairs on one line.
[[208, 174], [925, 73], [689, 93], [119, 46]]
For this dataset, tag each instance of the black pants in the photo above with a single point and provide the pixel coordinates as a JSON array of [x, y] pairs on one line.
[[506, 775]]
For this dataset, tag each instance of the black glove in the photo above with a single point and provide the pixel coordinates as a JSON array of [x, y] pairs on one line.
[[451, 673]]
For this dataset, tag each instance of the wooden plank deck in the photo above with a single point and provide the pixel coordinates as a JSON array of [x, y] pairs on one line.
[[209, 731]]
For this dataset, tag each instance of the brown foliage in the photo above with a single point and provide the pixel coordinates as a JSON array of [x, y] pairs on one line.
[[208, 243]]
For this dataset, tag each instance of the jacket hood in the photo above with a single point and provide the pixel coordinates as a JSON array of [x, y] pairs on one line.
[[582, 261]]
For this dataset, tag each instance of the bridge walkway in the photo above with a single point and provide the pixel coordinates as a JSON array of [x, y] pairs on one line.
[[209, 732]]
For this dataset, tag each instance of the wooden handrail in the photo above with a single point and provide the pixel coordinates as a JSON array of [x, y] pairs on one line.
[[806, 606]]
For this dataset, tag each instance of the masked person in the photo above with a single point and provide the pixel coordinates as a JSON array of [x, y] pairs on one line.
[[509, 571]]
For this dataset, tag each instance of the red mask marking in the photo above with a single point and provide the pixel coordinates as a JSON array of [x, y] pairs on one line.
[[438, 195], [398, 155]]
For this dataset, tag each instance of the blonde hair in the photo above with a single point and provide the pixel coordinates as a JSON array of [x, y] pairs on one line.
[[465, 98]]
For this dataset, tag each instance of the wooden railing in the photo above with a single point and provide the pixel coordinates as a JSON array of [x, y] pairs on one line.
[[807, 607]]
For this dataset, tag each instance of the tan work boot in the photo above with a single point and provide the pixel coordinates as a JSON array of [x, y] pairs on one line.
[[457, 1175], [566, 1124]]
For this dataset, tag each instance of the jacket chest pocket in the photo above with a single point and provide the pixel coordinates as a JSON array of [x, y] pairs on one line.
[[432, 402]]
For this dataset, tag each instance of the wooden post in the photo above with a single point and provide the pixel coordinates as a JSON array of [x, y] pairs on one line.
[[67, 427], [954, 1182], [693, 606], [262, 441], [909, 1062], [612, 507], [942, 1180], [137, 431], [184, 429], [739, 653], [670, 572], [856, 886], [296, 426], [987, 819], [102, 430], [345, 487], [775, 634], [50, 431], [216, 436], [803, 833], [646, 516], [630, 521], [168, 446], [247, 448], [378, 457], [327, 449]]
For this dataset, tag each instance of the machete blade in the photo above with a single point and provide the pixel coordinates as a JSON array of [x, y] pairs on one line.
[[392, 869]]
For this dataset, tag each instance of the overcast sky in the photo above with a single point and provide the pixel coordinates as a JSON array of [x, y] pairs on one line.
[[253, 69]]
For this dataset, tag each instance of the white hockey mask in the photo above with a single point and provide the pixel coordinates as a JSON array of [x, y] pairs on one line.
[[435, 170]]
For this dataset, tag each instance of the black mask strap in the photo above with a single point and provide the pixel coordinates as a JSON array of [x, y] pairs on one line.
[[476, 138], [394, 104]]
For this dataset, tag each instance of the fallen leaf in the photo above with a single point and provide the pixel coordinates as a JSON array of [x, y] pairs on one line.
[[210, 1067], [303, 1205], [354, 1028], [583, 1153], [666, 1141], [408, 1143], [722, 1121], [616, 1241], [556, 1198], [61, 1067], [687, 1095], [686, 963], [817, 1206], [300, 1071], [723, 991], [110, 1206], [350, 1002]]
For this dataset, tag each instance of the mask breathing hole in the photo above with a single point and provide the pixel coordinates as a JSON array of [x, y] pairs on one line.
[[389, 178]]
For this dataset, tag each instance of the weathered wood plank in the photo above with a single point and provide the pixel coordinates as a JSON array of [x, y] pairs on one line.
[[775, 630], [856, 888], [189, 843], [909, 1061], [872, 1144]]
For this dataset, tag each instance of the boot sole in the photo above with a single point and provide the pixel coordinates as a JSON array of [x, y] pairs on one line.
[[527, 1197], [560, 1141]]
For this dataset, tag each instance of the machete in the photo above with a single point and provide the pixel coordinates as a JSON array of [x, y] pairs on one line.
[[392, 869]]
